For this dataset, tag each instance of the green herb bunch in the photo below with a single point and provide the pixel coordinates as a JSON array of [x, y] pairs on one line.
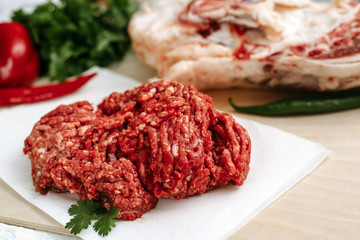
[[86, 211], [74, 35]]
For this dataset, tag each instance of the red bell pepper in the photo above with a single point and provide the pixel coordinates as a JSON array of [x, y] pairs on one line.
[[11, 96], [19, 62]]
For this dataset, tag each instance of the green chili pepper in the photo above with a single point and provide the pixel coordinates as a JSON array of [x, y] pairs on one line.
[[304, 105]]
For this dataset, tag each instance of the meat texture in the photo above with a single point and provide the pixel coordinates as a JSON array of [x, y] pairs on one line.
[[251, 43], [160, 140]]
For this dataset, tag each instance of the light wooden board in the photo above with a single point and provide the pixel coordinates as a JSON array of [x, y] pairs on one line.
[[324, 205]]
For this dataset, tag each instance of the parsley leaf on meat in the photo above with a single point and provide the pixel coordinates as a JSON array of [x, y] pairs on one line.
[[106, 222], [86, 211], [74, 35]]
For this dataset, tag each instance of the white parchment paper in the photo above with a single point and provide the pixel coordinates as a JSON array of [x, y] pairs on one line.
[[279, 160]]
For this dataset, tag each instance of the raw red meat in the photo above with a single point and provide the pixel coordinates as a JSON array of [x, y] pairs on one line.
[[160, 140]]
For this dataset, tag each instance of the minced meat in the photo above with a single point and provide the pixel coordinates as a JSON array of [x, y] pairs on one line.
[[160, 140]]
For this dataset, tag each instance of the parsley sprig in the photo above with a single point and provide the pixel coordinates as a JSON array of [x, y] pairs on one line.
[[73, 35], [86, 211]]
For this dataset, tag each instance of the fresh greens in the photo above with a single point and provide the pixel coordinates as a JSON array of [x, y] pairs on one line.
[[86, 211], [74, 35]]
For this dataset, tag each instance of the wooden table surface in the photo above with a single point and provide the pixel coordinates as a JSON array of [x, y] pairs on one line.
[[324, 205]]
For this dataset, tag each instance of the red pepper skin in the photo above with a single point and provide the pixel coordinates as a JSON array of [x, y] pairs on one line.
[[19, 62], [12, 96]]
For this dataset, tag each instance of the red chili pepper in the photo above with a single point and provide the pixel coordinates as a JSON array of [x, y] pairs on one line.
[[11, 96], [19, 62]]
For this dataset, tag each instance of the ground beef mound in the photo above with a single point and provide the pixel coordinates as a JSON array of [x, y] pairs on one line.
[[160, 140]]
